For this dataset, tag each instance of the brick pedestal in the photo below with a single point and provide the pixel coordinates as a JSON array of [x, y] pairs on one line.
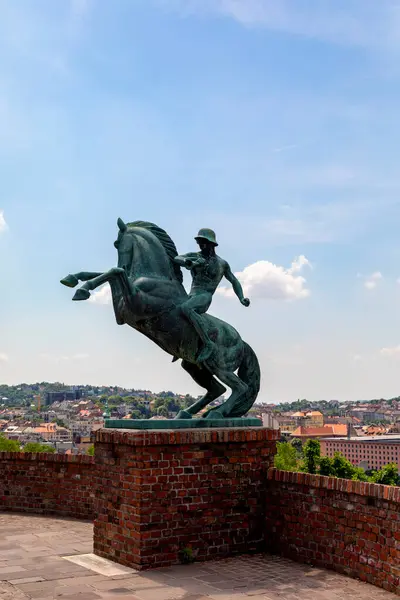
[[158, 492]]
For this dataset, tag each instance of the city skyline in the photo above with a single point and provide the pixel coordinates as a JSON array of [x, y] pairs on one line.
[[275, 126]]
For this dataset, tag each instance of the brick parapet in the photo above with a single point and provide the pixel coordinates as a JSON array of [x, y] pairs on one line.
[[361, 488], [53, 484], [48, 458], [160, 492], [351, 527], [130, 437], [215, 491]]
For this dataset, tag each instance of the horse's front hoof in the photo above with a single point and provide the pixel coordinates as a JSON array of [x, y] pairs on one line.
[[81, 294], [70, 281], [214, 414], [183, 414]]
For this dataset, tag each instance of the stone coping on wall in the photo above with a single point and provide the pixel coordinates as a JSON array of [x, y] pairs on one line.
[[48, 457], [360, 488], [167, 437]]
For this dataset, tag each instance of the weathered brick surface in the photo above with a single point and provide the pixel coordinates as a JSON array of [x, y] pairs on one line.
[[159, 492], [348, 526], [47, 483]]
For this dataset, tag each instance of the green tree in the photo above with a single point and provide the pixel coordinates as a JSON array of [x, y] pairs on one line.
[[359, 474], [159, 402], [162, 411], [173, 405], [339, 466], [343, 468], [286, 457], [312, 454], [7, 445], [115, 399], [298, 444], [326, 466], [36, 447], [136, 414], [388, 475]]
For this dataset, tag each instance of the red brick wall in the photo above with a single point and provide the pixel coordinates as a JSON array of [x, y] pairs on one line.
[[159, 492], [47, 483], [348, 526]]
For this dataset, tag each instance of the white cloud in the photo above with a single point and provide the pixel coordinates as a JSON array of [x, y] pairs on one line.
[[357, 357], [3, 357], [390, 352], [365, 23], [3, 224], [264, 279], [372, 280], [102, 295]]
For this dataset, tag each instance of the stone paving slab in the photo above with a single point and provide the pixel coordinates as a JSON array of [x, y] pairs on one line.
[[37, 557]]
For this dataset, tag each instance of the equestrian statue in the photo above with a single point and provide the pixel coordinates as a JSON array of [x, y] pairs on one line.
[[148, 294]]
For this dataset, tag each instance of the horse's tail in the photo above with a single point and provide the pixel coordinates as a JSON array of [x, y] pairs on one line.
[[249, 372]]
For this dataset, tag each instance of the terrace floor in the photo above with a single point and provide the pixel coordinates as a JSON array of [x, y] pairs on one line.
[[47, 558]]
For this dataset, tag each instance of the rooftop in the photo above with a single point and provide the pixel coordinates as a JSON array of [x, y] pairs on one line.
[[327, 430], [385, 439], [45, 558]]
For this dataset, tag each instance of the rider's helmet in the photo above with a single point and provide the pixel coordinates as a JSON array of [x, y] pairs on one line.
[[207, 234]]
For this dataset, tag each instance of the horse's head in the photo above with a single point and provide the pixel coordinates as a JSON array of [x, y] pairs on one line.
[[124, 245], [146, 249]]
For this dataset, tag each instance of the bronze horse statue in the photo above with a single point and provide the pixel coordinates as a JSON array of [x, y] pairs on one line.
[[147, 292]]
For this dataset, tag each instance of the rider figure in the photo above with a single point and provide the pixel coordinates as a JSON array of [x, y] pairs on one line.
[[207, 270]]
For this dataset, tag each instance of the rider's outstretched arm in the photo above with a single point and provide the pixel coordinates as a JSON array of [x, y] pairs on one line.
[[186, 260], [237, 288]]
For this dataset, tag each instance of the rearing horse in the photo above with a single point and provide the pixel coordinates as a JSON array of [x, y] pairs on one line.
[[147, 292]]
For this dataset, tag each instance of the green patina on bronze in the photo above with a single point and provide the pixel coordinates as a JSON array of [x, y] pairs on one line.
[[179, 423], [148, 294]]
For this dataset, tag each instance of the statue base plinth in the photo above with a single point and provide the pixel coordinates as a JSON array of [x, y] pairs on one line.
[[161, 494], [180, 423]]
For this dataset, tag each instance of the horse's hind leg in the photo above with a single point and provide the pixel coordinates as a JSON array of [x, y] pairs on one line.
[[205, 379], [238, 388]]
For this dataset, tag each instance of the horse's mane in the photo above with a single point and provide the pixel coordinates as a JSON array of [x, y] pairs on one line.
[[165, 240]]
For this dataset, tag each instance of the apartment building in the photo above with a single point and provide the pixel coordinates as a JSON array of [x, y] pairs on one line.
[[372, 452]]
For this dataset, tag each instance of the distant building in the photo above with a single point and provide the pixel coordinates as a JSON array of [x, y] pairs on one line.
[[51, 397], [269, 421], [83, 428], [367, 414], [291, 422], [63, 447], [315, 419], [286, 422], [375, 452], [342, 421], [13, 432], [327, 431]]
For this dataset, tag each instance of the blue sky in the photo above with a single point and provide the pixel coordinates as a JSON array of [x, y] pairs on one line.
[[275, 123]]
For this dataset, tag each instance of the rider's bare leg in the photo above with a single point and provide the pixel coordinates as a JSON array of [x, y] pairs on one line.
[[193, 308]]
